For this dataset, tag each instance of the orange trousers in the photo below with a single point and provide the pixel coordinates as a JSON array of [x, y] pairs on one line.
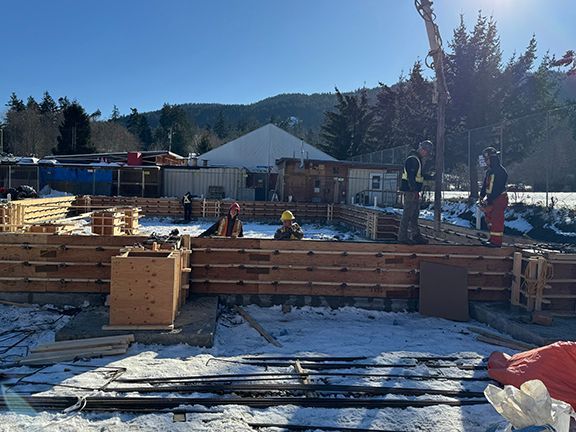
[[495, 218]]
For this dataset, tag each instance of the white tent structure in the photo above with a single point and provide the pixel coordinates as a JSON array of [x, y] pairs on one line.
[[258, 150]]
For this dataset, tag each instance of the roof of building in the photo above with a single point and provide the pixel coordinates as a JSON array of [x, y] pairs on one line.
[[353, 164], [261, 148]]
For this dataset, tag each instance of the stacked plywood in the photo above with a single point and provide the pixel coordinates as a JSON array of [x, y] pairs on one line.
[[146, 289]]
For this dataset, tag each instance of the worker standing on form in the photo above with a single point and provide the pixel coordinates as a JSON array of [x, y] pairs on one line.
[[494, 189], [411, 186]]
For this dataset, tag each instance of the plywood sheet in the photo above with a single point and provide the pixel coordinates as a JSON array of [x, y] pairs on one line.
[[444, 291]]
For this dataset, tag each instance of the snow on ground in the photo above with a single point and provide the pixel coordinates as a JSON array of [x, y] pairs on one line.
[[382, 337], [163, 226]]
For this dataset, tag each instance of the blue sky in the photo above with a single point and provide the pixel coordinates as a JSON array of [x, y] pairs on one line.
[[144, 53]]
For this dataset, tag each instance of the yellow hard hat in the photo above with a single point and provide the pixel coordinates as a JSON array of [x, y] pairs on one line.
[[287, 215]]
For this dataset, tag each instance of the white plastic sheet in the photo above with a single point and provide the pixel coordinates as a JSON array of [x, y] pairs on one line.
[[531, 405]]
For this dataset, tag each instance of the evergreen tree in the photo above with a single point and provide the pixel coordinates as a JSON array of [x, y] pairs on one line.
[[48, 105], [74, 131], [15, 104], [115, 116], [174, 131], [204, 146], [32, 105], [345, 131], [145, 133], [63, 103], [220, 127]]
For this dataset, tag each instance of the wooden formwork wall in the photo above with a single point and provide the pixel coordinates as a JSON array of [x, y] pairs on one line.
[[250, 266], [53, 263], [373, 223], [545, 282]]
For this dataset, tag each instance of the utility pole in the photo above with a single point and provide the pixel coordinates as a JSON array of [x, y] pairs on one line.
[[424, 8]]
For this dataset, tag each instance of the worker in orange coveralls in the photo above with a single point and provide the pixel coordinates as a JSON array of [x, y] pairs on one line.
[[494, 189], [229, 226]]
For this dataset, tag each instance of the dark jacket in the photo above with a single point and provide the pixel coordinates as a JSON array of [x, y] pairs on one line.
[[414, 173], [293, 232], [495, 181]]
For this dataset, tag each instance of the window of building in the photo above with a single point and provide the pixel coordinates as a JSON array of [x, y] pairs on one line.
[[375, 181]]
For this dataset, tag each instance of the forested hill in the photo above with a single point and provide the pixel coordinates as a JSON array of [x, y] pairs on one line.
[[308, 109]]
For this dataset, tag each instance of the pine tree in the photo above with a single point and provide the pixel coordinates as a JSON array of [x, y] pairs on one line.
[[15, 104], [74, 131], [115, 116], [204, 146], [48, 105], [174, 132], [345, 131], [220, 127], [32, 105]]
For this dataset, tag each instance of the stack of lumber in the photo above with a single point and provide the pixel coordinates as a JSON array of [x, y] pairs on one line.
[[377, 270], [16, 214], [77, 349]]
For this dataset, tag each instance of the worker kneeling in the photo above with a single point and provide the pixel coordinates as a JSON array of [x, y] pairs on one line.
[[229, 226], [289, 230]]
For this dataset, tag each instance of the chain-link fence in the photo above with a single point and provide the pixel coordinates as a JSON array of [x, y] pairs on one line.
[[538, 151]]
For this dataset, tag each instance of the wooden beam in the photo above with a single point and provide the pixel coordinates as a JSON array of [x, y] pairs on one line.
[[257, 326]]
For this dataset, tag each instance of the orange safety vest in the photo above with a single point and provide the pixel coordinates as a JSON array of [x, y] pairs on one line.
[[223, 227]]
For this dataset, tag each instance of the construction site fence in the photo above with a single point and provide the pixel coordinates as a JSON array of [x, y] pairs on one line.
[[537, 149]]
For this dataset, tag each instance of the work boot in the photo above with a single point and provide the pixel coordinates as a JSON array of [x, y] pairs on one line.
[[491, 245], [420, 240]]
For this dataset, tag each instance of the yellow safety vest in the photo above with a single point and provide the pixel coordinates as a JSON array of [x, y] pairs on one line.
[[419, 177]]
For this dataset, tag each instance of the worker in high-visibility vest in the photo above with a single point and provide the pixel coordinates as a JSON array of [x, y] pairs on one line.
[[494, 189], [187, 204], [228, 226], [413, 178]]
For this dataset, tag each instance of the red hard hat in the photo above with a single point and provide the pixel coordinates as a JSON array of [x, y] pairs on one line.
[[236, 206]]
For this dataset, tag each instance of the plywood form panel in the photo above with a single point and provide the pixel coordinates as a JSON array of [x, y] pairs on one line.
[[145, 288]]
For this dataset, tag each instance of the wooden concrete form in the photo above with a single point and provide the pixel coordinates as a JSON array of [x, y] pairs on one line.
[[146, 288], [547, 282], [109, 223], [251, 266], [54, 263]]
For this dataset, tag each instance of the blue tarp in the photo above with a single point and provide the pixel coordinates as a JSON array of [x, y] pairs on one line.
[[77, 180]]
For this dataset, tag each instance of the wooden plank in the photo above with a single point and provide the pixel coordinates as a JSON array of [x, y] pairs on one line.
[[82, 343], [138, 327], [485, 333], [517, 273], [69, 356], [254, 324]]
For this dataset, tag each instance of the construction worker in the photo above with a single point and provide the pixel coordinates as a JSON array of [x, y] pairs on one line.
[[229, 226], [289, 230], [411, 186], [494, 189], [187, 203]]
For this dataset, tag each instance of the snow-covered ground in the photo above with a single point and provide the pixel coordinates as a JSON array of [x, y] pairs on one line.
[[163, 226], [381, 337]]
